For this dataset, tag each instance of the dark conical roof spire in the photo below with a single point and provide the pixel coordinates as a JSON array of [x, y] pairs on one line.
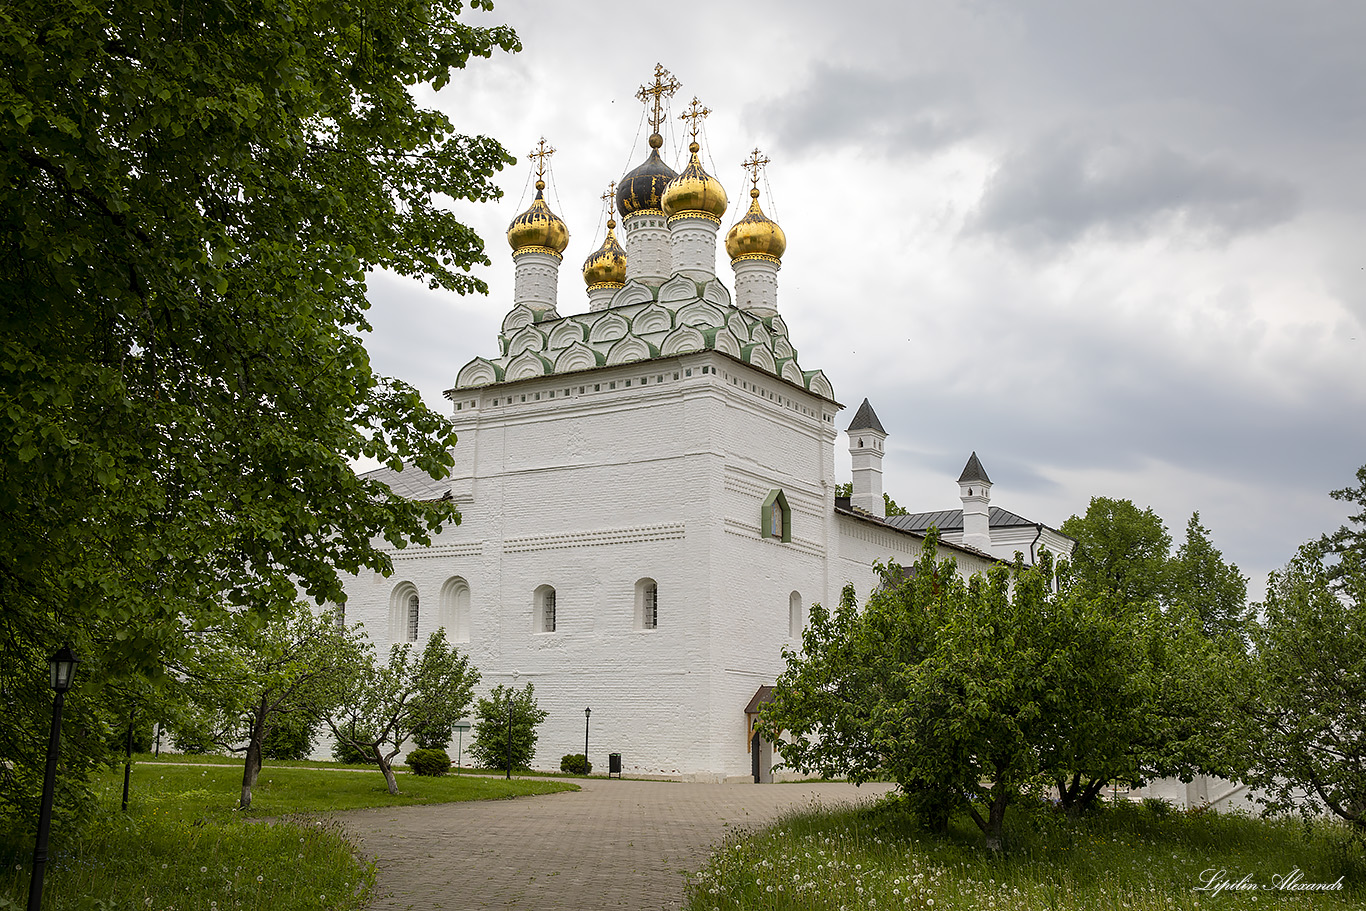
[[866, 419], [973, 471]]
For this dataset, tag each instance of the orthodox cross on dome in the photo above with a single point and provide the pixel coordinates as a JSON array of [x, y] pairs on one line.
[[664, 87], [542, 151], [695, 113], [607, 200], [754, 164]]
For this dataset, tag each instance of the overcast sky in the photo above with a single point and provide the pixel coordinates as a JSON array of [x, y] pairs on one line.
[[1115, 251]]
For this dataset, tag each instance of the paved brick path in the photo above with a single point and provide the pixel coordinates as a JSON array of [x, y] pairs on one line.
[[614, 844]]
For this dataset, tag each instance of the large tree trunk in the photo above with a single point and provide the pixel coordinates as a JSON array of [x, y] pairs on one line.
[[997, 818], [388, 771], [251, 767]]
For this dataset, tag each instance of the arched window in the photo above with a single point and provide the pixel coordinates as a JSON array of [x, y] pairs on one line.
[[544, 609], [403, 613], [412, 618], [455, 609], [796, 615], [647, 604]]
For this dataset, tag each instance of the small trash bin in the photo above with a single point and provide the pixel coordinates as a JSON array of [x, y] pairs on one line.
[[613, 765]]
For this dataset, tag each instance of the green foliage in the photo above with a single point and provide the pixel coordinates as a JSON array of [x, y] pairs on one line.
[[1200, 580], [292, 738], [379, 707], [346, 754], [1348, 539], [968, 693], [489, 745], [1308, 705], [429, 762], [429, 735], [249, 679], [575, 764], [1121, 551], [191, 197]]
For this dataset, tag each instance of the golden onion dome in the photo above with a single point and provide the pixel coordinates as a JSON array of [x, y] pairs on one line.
[[538, 227], [607, 264], [641, 189], [695, 191], [756, 234]]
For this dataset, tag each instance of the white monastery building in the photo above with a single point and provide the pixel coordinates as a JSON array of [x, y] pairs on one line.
[[647, 486]]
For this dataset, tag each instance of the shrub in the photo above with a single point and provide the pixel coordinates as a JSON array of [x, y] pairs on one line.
[[575, 764], [490, 744], [348, 755], [292, 739], [429, 762], [432, 737]]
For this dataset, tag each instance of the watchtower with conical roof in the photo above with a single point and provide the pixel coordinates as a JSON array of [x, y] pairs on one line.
[[974, 488], [866, 442]]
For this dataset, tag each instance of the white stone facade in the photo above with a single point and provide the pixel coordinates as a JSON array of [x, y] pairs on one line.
[[646, 239], [692, 245], [536, 275], [756, 284]]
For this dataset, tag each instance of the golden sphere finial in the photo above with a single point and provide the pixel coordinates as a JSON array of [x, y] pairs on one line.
[[656, 140]]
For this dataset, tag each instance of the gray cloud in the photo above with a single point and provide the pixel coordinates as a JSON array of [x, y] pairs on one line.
[[1065, 187], [839, 106]]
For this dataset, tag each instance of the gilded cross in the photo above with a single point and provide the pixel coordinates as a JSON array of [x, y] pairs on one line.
[[607, 200], [753, 165], [695, 113], [664, 87], [542, 151]]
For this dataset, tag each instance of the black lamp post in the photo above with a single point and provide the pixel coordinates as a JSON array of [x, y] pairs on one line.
[[63, 669], [511, 694], [586, 713]]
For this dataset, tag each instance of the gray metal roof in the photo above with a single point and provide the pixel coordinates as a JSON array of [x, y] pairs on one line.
[[973, 471], [866, 419], [410, 483], [952, 520]]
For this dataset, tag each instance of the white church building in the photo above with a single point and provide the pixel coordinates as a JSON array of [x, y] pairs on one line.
[[647, 489]]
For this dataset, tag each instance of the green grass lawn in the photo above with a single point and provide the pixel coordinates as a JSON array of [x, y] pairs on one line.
[[1125, 858], [183, 845]]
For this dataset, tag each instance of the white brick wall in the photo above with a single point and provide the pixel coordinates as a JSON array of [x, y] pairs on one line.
[[588, 484]]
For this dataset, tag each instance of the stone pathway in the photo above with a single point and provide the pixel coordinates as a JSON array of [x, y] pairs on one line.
[[613, 844]]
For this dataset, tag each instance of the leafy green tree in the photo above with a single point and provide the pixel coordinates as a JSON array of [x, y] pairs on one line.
[[191, 197], [490, 743], [963, 691], [1348, 539], [1308, 704], [251, 682], [292, 738], [967, 692], [1198, 578], [380, 707], [1121, 551]]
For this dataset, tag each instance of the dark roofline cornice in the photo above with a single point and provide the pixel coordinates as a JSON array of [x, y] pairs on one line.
[[874, 520]]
